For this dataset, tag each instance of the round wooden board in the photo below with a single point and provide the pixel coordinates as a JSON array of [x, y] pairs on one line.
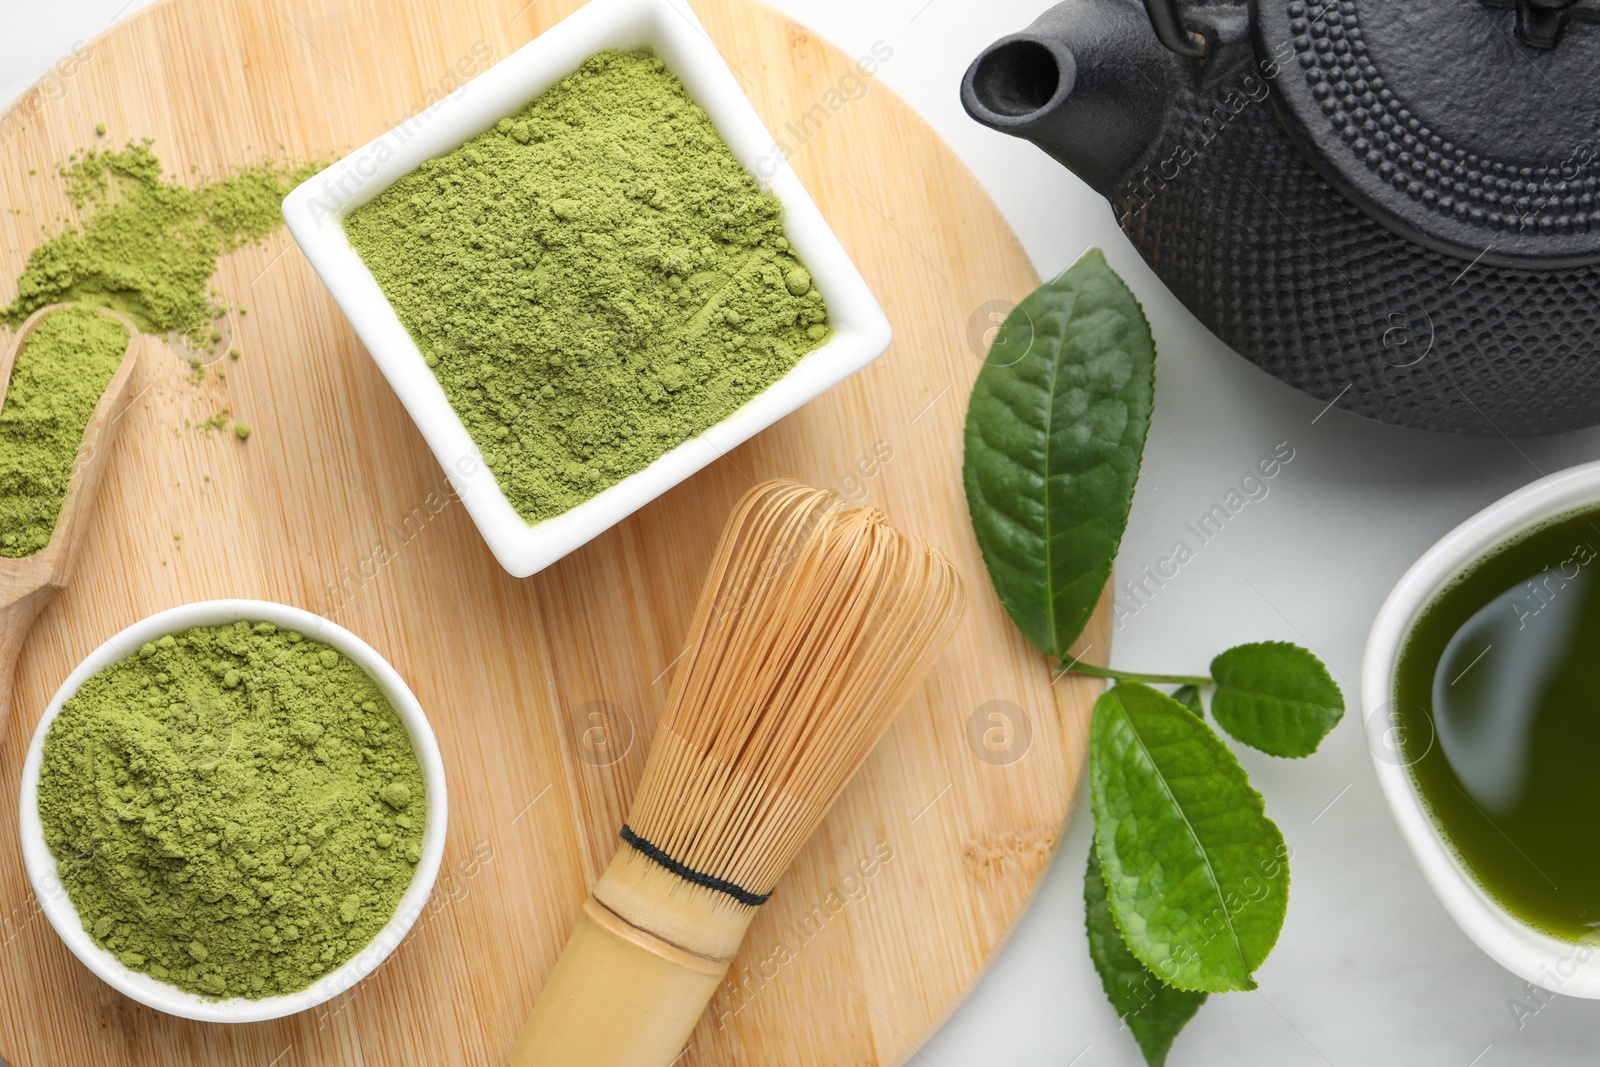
[[336, 505]]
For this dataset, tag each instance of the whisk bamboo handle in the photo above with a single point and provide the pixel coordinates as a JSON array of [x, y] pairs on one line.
[[619, 997], [636, 974]]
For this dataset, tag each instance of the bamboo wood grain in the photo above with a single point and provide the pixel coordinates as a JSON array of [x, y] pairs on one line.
[[544, 692], [29, 584]]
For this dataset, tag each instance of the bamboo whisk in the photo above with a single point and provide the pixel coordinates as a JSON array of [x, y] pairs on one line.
[[815, 624]]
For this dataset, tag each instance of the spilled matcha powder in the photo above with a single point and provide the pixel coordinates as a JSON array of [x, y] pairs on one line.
[[147, 245], [234, 810], [65, 365], [594, 280]]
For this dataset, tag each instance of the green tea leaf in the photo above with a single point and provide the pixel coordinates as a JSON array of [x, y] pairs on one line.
[[1276, 697], [1196, 875], [1189, 697], [1154, 1011], [1055, 432]]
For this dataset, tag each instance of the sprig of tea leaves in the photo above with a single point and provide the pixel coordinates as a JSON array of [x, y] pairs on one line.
[[1188, 879], [1270, 695]]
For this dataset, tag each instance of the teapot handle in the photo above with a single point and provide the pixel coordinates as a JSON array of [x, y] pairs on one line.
[[1169, 27]]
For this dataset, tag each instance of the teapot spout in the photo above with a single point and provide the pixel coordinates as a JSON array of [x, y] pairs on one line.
[[1088, 82]]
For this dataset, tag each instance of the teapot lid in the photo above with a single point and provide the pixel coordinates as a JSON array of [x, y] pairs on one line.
[[1470, 126]]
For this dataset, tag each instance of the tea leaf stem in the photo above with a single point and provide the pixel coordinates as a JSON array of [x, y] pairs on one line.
[[1134, 676]]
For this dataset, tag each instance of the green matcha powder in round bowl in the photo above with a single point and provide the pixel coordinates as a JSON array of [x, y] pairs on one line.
[[234, 810]]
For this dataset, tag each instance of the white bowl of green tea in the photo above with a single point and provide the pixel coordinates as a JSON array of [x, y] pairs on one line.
[[233, 811], [588, 274], [1481, 690]]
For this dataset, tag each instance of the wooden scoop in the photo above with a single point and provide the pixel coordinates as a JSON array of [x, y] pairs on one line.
[[27, 585]]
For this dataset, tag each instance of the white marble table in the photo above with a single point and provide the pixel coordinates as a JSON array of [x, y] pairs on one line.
[[1369, 971]]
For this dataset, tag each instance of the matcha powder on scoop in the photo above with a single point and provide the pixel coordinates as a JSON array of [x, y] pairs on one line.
[[65, 364], [594, 280], [233, 810]]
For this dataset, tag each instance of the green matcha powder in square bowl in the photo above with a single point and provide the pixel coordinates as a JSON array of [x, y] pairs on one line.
[[588, 274], [233, 811]]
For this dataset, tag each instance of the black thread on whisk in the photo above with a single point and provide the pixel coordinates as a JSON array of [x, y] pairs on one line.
[[689, 874]]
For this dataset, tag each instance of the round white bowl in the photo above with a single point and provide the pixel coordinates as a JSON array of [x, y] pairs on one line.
[[153, 992], [1566, 967]]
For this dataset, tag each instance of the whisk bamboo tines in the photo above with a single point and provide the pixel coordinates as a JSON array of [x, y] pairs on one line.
[[814, 626]]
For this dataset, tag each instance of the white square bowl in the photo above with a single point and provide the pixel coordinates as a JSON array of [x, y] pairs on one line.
[[316, 211]]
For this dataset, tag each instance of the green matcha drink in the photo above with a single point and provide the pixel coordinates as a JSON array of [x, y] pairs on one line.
[[1499, 686], [65, 365], [593, 281], [234, 810]]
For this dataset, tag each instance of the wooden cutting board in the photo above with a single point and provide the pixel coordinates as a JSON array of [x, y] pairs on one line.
[[333, 504]]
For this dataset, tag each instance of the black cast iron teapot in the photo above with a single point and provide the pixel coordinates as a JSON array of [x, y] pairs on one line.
[[1393, 205]]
